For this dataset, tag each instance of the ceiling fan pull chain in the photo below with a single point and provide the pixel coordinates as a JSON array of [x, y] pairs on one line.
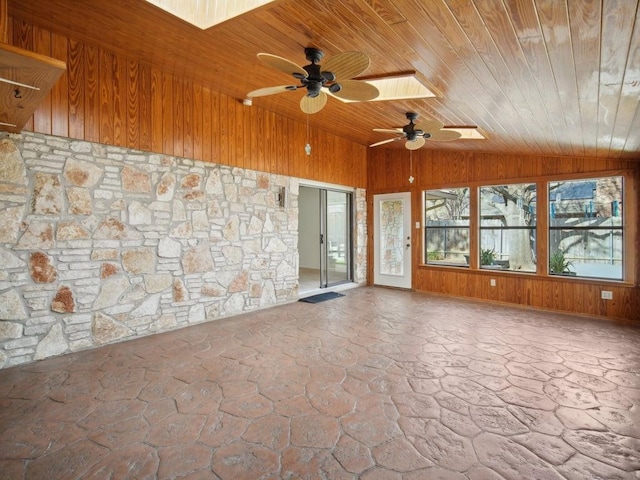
[[411, 179], [307, 147]]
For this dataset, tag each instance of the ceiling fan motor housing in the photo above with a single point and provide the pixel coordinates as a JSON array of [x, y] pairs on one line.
[[410, 129], [316, 79]]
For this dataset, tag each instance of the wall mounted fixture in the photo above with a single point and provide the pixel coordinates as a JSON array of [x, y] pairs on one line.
[[282, 197]]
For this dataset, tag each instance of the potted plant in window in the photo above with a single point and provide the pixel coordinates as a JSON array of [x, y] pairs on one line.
[[487, 256], [559, 265], [433, 255]]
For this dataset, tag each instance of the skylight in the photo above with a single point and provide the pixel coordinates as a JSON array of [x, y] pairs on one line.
[[468, 133], [207, 13], [398, 87]]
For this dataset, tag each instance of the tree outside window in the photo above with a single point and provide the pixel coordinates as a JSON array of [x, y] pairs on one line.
[[508, 227], [446, 226]]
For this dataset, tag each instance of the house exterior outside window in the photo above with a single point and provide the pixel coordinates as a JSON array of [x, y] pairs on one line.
[[586, 234]]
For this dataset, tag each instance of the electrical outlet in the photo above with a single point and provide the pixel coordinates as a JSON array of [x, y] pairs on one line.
[[606, 295], [493, 282]]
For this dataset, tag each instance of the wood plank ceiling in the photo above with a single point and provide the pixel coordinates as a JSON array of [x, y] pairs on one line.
[[545, 77]]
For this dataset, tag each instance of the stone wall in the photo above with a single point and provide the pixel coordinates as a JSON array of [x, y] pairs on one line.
[[100, 244], [360, 237]]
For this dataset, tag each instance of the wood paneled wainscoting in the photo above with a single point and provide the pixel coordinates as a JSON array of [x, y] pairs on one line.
[[389, 170]]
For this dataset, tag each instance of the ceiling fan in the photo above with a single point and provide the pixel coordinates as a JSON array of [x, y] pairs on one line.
[[335, 75], [417, 135]]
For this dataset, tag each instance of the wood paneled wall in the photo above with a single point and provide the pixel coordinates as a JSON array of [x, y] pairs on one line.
[[106, 98], [389, 170]]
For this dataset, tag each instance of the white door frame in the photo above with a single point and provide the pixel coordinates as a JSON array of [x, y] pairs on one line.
[[338, 188], [400, 274]]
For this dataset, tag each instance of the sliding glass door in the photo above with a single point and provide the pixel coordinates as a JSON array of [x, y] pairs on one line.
[[324, 241], [335, 237]]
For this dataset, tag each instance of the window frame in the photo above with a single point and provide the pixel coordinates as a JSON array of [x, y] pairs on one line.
[[630, 213], [533, 229], [622, 228], [468, 227]]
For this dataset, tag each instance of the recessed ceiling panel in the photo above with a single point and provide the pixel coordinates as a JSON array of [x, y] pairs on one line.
[[207, 13], [400, 87], [467, 133]]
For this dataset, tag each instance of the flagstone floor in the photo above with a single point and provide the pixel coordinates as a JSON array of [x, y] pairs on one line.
[[378, 384]]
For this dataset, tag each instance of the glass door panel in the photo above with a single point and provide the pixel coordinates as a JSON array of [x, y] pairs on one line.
[[324, 238], [392, 240], [338, 241]]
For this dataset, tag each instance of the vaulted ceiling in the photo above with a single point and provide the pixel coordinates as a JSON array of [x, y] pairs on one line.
[[546, 77]]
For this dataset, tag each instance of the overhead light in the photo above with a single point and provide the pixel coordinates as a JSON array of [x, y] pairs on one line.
[[467, 133], [207, 13], [403, 86]]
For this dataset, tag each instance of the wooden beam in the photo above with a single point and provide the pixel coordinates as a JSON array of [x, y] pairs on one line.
[[4, 21]]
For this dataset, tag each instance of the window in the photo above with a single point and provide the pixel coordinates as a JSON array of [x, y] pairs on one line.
[[446, 226], [586, 228], [508, 227]]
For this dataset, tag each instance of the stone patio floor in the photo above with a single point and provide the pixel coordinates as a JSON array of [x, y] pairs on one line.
[[378, 384]]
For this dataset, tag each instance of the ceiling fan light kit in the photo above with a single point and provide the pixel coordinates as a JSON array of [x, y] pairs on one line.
[[335, 75]]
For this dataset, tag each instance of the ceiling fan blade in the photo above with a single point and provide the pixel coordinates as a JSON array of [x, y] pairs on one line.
[[282, 64], [357, 91], [389, 140], [347, 65], [388, 130], [415, 144], [262, 92], [429, 126], [311, 105], [444, 136]]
